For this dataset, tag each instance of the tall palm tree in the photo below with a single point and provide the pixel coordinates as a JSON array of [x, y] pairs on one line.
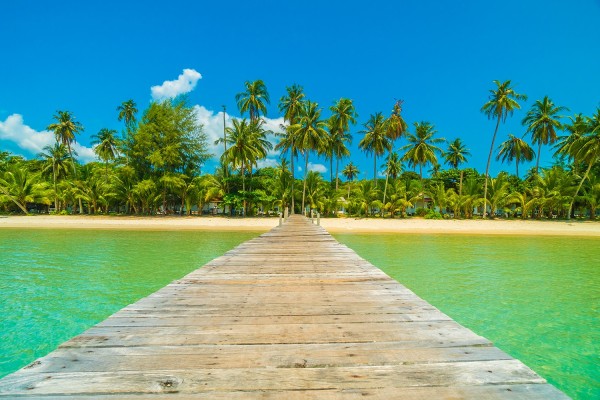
[[254, 99], [291, 107], [395, 129], [106, 146], [577, 128], [376, 140], [502, 102], [586, 150], [55, 158], [248, 144], [455, 155], [343, 114], [309, 132], [65, 128], [350, 171], [542, 122], [127, 111], [421, 148], [517, 149]]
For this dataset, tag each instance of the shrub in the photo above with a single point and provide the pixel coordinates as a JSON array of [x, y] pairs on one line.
[[431, 214], [420, 212]]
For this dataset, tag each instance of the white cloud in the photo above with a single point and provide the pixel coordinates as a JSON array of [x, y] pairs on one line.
[[185, 83], [14, 130], [213, 127], [317, 168]]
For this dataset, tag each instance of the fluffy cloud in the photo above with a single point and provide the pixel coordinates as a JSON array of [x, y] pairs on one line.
[[14, 130], [185, 83], [317, 168], [213, 127]]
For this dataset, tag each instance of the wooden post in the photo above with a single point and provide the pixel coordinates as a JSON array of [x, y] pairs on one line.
[[318, 219], [280, 220], [285, 213]]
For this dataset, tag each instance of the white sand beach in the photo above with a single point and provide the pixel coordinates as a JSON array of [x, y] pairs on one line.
[[333, 225]]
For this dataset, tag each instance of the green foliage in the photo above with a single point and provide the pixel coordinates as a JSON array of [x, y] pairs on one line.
[[431, 214]]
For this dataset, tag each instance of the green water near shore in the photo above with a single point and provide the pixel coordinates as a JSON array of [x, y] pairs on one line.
[[537, 298], [54, 284]]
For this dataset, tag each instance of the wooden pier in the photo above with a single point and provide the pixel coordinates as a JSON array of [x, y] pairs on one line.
[[292, 314]]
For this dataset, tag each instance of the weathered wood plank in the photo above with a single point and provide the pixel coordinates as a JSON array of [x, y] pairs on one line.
[[291, 314]]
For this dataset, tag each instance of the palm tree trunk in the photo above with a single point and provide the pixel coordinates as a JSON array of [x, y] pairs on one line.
[[487, 169], [331, 169], [55, 191], [537, 164], [293, 178], [304, 188], [387, 175], [375, 170], [517, 167], [460, 183], [578, 188], [243, 172], [337, 168]]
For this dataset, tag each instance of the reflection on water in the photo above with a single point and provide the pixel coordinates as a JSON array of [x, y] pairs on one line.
[[537, 298]]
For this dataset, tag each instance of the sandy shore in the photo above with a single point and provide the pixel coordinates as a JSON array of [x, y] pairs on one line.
[[334, 225]]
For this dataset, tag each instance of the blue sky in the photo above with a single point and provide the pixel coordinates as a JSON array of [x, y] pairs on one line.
[[440, 57]]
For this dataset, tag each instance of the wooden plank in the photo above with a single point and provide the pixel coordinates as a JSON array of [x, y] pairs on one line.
[[291, 314]]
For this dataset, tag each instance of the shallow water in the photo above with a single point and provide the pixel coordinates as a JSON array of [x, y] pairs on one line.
[[54, 284], [537, 298]]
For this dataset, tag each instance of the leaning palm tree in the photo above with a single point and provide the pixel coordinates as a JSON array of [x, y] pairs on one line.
[[502, 102], [310, 133], [455, 155], [542, 122], [291, 106], [106, 146], [254, 99], [586, 150], [350, 171], [343, 114], [515, 149], [392, 168], [65, 128], [421, 148], [376, 140]]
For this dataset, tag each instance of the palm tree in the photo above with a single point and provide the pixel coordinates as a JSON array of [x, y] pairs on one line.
[[106, 146], [577, 128], [586, 150], [343, 114], [376, 140], [55, 158], [291, 107], [65, 129], [515, 149], [455, 155], [421, 148], [502, 102], [309, 133], [350, 172], [542, 122], [248, 144], [254, 99], [21, 186], [395, 129], [127, 111]]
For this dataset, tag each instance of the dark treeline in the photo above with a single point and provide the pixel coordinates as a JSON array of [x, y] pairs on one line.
[[154, 165]]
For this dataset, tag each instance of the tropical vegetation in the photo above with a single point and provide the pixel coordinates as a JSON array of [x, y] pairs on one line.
[[156, 164]]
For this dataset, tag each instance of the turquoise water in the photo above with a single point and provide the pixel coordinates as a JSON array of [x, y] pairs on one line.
[[537, 298], [54, 284]]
